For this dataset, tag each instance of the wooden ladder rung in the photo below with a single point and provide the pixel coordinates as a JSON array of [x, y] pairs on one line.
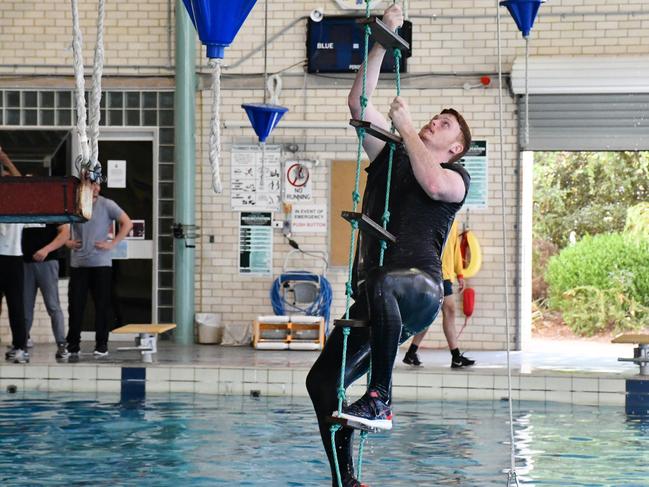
[[376, 131], [368, 226], [382, 34], [352, 323]]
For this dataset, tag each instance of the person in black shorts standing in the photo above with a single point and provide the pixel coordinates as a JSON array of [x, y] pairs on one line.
[[402, 297], [451, 268]]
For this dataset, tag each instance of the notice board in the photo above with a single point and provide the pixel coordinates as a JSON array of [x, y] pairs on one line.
[[343, 174]]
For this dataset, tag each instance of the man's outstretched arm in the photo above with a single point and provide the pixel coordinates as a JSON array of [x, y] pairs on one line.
[[393, 18]]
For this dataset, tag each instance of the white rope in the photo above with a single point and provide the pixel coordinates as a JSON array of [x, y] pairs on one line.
[[215, 131], [262, 175], [511, 474], [88, 136], [94, 111], [274, 87], [79, 84]]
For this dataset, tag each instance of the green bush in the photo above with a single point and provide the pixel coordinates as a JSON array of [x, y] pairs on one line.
[[637, 221], [586, 192], [589, 311], [601, 282]]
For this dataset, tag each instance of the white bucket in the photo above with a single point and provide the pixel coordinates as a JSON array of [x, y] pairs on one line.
[[210, 330]]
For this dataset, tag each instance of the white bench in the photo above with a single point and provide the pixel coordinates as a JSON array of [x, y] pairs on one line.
[[146, 341]]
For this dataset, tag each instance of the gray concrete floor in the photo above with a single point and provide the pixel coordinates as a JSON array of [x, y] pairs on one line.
[[542, 355]]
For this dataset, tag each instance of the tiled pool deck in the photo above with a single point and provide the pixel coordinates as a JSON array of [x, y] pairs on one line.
[[569, 372]]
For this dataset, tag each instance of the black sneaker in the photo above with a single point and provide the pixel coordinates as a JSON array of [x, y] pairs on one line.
[[62, 352], [412, 359], [73, 358], [369, 411], [10, 353], [461, 361]]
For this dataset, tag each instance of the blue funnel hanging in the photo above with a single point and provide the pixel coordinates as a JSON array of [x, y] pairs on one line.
[[263, 117], [218, 21], [523, 12]]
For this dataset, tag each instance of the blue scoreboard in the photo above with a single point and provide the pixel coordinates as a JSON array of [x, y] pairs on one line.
[[336, 45]]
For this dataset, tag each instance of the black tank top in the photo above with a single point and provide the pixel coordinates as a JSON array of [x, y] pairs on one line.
[[419, 223]]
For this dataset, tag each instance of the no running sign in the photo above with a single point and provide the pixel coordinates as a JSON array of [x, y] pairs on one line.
[[297, 182]]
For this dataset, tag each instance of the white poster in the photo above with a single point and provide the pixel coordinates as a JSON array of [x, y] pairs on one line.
[[297, 182], [309, 219], [116, 174], [256, 177]]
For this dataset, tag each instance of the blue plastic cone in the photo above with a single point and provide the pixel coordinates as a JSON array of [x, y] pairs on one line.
[[263, 117], [218, 21], [523, 12]]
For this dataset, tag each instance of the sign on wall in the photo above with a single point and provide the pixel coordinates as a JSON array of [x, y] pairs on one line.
[[255, 178], [116, 174], [309, 219], [255, 243], [476, 163], [297, 182]]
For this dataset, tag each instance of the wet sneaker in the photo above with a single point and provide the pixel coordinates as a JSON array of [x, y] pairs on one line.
[[369, 411], [461, 361], [412, 359], [73, 358], [20, 357], [100, 353], [62, 352]]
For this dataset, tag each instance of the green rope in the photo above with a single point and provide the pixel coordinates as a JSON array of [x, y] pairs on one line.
[[361, 446], [386, 211], [333, 429], [356, 197], [341, 385], [397, 66]]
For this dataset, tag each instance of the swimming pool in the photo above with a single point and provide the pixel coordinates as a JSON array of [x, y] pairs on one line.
[[200, 440]]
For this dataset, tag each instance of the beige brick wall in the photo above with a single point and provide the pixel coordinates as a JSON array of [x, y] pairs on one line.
[[452, 37], [36, 35]]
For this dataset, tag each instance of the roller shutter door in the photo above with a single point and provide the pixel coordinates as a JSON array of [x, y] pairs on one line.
[[609, 122]]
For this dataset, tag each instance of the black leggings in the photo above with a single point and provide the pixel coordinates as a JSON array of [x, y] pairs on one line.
[[11, 284], [399, 304]]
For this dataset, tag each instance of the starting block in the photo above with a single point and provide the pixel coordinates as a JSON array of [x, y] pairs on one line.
[[640, 353], [147, 340]]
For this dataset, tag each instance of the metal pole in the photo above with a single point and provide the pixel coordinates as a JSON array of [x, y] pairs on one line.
[[185, 172]]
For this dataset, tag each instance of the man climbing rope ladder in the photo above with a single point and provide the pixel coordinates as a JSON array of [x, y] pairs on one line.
[[402, 297]]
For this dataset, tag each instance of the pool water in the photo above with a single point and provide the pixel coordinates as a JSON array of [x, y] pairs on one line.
[[199, 440]]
